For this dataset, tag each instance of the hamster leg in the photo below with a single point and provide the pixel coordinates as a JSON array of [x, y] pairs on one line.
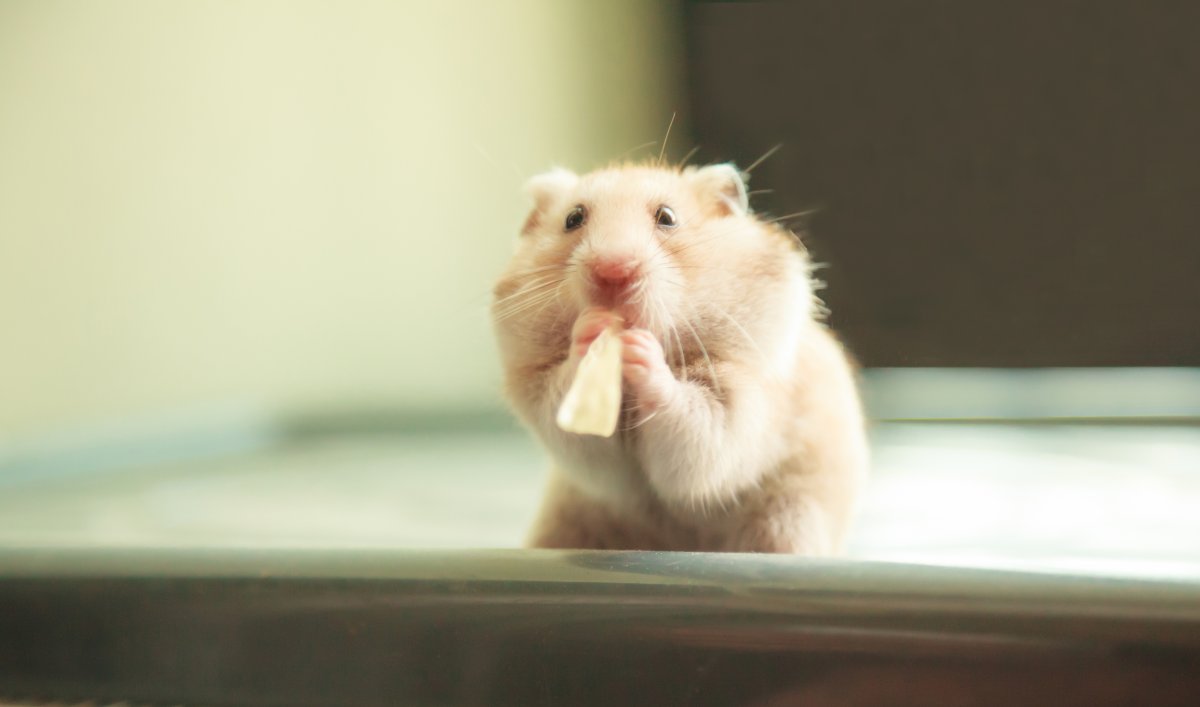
[[787, 523], [698, 448], [644, 368], [570, 520]]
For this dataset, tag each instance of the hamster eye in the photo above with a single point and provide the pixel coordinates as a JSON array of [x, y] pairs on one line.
[[576, 218], [665, 217]]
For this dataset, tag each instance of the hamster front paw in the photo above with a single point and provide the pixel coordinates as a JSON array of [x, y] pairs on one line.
[[644, 368], [588, 326]]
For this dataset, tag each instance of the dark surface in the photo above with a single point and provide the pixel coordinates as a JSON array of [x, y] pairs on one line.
[[547, 628], [1000, 183]]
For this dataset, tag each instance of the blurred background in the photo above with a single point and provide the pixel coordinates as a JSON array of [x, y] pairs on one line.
[[246, 251], [288, 204]]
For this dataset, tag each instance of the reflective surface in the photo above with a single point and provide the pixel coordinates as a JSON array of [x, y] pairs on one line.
[[550, 628], [1069, 471]]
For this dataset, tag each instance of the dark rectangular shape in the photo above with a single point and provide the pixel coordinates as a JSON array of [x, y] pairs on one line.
[[536, 628], [999, 183]]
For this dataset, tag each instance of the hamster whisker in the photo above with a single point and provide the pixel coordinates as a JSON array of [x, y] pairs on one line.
[[661, 316], [690, 154], [686, 246], [640, 422], [672, 337], [693, 244], [541, 301], [549, 300], [537, 282], [533, 295], [672, 265], [544, 268], [638, 292], [527, 288], [762, 159], [749, 339], [683, 367], [663, 150], [525, 304], [632, 150], [712, 371], [528, 303], [533, 300], [795, 215]]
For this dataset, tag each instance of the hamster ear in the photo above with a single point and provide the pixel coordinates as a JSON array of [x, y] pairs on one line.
[[546, 187], [724, 184]]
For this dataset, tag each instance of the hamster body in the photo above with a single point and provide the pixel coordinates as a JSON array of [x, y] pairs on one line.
[[741, 428]]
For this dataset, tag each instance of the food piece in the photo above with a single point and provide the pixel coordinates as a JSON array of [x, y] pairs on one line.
[[593, 402]]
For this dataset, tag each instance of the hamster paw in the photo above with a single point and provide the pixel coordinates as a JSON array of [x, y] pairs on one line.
[[644, 368], [588, 326]]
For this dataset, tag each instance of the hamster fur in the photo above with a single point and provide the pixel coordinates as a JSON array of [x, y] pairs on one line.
[[741, 427]]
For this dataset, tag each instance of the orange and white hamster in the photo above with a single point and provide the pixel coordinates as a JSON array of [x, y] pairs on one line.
[[741, 428]]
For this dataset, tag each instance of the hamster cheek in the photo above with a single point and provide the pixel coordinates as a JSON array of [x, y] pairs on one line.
[[644, 368]]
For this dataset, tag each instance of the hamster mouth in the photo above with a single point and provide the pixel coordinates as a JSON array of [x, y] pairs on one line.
[[633, 314], [631, 298], [624, 302]]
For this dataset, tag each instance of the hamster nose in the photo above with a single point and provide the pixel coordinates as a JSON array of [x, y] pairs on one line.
[[614, 272]]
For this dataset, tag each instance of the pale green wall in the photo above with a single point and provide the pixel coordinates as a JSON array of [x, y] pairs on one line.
[[291, 204]]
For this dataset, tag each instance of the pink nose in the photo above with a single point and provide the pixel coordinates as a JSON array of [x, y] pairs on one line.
[[615, 271]]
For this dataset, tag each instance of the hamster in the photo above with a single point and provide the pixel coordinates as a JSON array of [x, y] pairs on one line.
[[741, 428]]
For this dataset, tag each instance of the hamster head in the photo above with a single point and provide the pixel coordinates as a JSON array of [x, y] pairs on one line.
[[674, 250]]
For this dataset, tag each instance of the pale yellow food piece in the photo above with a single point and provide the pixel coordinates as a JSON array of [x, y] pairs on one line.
[[593, 402]]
